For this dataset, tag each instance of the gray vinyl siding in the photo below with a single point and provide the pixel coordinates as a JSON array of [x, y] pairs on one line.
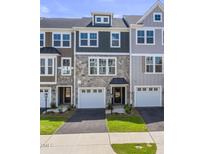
[[148, 21], [104, 43], [157, 48], [140, 78]]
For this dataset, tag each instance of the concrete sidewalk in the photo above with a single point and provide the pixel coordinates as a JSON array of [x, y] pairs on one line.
[[92, 143]]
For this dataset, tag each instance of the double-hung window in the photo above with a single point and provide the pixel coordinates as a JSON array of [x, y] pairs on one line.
[[140, 37], [88, 39], [42, 39], [93, 39], [145, 37], [157, 17], [150, 36], [115, 39], [153, 64], [93, 63], [65, 66], [111, 66], [102, 66], [62, 40], [42, 66], [47, 66]]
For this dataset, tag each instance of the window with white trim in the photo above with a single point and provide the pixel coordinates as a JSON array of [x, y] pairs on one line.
[[102, 66], [47, 66], [157, 17], [42, 66], [102, 19], [65, 66], [62, 40], [153, 64], [145, 37], [88, 39], [140, 37], [111, 66], [42, 39], [115, 39]]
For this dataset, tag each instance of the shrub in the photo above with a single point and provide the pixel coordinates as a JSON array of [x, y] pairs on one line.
[[109, 106], [53, 105], [128, 108]]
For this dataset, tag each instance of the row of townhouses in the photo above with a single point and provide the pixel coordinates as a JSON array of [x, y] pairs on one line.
[[92, 61]]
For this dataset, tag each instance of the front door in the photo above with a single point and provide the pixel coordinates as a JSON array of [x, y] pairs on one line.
[[118, 95], [67, 95]]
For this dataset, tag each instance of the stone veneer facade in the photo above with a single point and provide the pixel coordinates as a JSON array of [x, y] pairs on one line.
[[100, 81]]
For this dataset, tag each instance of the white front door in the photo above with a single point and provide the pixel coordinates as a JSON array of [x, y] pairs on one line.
[[148, 96], [91, 98], [43, 98]]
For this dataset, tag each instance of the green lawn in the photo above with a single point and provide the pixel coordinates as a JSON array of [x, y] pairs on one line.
[[49, 123], [142, 148], [125, 123]]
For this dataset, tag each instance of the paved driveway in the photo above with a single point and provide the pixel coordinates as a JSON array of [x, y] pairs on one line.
[[154, 117], [85, 121]]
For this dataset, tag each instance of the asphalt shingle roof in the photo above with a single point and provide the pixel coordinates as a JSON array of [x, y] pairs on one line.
[[49, 50], [118, 81], [74, 22], [131, 19]]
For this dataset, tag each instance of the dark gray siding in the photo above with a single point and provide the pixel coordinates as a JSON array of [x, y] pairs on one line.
[[104, 43]]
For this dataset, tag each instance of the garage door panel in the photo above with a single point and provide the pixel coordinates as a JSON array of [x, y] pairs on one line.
[[43, 99], [91, 98], [147, 96]]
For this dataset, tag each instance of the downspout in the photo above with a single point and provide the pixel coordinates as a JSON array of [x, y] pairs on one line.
[[130, 54], [74, 67]]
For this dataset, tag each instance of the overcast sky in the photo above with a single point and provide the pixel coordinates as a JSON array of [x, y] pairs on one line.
[[83, 8]]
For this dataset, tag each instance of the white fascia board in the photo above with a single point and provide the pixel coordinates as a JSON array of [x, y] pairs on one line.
[[47, 83], [158, 3], [147, 54], [101, 29], [48, 55], [101, 53], [56, 29]]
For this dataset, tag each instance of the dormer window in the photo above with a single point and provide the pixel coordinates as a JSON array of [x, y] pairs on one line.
[[157, 17], [102, 19]]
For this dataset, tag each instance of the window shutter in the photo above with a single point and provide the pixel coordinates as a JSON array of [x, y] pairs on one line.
[[143, 64]]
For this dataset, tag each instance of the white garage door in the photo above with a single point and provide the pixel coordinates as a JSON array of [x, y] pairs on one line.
[[43, 92], [147, 96], [91, 98]]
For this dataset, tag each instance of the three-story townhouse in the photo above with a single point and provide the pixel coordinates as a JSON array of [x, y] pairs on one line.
[[102, 61], [56, 62], [92, 61], [146, 57]]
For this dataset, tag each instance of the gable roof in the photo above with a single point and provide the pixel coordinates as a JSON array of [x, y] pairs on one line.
[[131, 19], [75, 22], [157, 3]]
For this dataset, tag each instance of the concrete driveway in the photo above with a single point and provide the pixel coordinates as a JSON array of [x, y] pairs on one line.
[[154, 117], [85, 121]]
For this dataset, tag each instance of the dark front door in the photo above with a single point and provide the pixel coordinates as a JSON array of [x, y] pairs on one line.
[[118, 95], [67, 95]]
